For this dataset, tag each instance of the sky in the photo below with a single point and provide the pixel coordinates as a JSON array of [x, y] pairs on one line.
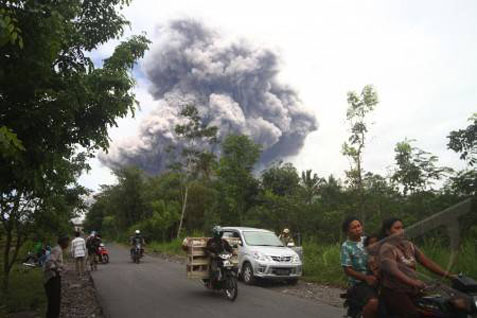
[[419, 55]]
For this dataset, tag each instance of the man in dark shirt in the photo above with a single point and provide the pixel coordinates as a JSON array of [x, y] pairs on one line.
[[216, 245], [137, 239]]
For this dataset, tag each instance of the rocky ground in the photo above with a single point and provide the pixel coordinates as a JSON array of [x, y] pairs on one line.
[[322, 293], [78, 296]]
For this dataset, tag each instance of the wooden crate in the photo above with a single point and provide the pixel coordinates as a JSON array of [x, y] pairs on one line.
[[198, 261]]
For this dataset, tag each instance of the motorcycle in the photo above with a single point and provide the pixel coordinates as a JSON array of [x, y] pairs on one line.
[[31, 260], [226, 278], [103, 254], [136, 253], [442, 300], [438, 303]]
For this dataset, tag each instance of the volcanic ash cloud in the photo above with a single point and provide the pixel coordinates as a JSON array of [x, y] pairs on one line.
[[234, 86]]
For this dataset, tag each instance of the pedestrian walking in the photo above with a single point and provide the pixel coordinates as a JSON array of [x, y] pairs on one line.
[[78, 252], [52, 271]]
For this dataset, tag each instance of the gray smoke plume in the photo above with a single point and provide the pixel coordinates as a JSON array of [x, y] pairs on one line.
[[234, 87]]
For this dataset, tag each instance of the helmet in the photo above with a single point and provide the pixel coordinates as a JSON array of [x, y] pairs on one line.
[[286, 231], [138, 232], [217, 231]]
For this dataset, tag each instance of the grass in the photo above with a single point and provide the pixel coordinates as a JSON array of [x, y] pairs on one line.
[[322, 261], [25, 291], [169, 248]]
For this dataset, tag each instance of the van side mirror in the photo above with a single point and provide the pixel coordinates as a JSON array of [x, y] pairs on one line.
[[291, 244]]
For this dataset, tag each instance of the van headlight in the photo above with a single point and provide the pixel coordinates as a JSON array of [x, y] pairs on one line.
[[296, 259], [261, 257]]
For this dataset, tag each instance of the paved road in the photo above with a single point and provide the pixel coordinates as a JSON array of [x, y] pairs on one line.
[[158, 288]]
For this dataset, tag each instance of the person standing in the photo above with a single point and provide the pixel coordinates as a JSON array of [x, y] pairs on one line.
[[78, 252], [52, 271], [286, 238]]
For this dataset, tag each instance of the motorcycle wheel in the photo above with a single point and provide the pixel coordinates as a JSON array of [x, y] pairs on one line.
[[231, 288], [105, 259]]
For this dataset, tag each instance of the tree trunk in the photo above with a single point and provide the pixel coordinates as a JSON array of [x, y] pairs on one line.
[[6, 258], [184, 205]]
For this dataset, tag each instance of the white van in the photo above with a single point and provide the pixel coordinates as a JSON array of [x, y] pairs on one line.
[[263, 255]]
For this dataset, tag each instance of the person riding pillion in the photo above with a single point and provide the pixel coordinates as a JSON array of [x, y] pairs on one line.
[[137, 239], [286, 238], [215, 246]]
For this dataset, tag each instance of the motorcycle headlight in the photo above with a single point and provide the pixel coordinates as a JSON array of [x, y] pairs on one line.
[[260, 256]]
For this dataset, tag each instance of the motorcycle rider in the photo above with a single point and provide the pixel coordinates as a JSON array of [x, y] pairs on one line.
[[286, 238], [137, 239], [215, 246]]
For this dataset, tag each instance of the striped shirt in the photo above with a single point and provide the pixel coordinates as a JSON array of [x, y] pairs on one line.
[[78, 247]]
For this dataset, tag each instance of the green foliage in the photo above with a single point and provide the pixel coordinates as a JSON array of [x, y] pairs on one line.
[[10, 33], [26, 291], [416, 168], [464, 141], [172, 247], [197, 160], [9, 143], [281, 179], [231, 194], [321, 263], [237, 186], [359, 106], [53, 103]]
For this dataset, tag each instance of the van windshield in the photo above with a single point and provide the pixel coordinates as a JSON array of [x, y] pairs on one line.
[[256, 238]]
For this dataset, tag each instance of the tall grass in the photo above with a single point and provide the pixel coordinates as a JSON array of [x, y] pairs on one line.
[[25, 292], [169, 248], [322, 261], [465, 261]]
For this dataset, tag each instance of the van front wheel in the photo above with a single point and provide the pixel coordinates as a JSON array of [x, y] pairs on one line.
[[247, 274]]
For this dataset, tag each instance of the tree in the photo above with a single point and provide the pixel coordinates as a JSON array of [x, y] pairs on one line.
[[416, 168], [195, 159], [281, 179], [464, 141], [237, 186], [359, 106], [310, 184], [55, 101]]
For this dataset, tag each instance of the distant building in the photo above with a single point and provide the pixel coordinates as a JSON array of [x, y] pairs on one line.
[[77, 225]]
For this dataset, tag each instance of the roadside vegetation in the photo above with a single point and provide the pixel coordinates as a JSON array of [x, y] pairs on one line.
[[54, 117], [25, 292], [321, 260], [202, 189]]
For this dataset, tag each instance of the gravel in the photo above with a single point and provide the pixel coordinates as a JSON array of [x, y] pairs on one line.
[[78, 296]]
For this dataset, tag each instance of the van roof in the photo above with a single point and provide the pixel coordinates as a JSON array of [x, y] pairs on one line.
[[244, 228]]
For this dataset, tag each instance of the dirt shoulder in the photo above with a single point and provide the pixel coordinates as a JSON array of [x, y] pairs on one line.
[[78, 295]]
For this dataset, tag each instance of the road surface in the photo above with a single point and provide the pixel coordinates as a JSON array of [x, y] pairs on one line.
[[158, 288]]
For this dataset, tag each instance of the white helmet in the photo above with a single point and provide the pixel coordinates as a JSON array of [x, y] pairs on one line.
[[138, 232]]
